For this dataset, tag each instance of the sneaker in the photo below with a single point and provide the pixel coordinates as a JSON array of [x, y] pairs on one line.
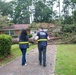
[[40, 63], [44, 65], [25, 64]]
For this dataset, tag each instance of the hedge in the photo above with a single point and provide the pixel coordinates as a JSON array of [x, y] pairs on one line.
[[30, 35], [5, 45]]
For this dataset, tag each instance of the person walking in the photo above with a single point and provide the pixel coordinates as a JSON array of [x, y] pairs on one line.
[[23, 45], [42, 38]]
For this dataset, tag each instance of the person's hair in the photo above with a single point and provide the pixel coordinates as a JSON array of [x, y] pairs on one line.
[[23, 35]]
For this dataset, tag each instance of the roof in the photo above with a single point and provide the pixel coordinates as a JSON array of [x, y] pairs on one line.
[[16, 27], [44, 25]]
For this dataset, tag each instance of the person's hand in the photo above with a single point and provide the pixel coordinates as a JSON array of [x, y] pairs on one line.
[[48, 38], [36, 37]]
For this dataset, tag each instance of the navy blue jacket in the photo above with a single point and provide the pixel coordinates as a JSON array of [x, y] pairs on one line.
[[24, 46], [42, 35]]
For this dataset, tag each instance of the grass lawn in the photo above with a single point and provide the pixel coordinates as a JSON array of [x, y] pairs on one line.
[[66, 60], [15, 52]]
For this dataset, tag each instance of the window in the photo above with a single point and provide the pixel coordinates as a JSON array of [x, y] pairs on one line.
[[9, 32], [6, 32]]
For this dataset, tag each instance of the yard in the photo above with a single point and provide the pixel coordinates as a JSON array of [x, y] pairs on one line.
[[15, 52], [66, 60]]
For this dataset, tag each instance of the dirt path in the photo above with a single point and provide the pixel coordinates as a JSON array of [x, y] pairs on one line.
[[32, 67]]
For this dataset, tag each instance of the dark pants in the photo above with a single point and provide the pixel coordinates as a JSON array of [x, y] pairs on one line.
[[42, 54], [23, 56]]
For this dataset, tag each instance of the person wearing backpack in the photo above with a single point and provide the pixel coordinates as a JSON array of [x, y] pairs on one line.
[[23, 45]]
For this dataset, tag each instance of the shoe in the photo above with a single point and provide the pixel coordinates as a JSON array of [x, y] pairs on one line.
[[40, 63], [44, 65], [25, 64]]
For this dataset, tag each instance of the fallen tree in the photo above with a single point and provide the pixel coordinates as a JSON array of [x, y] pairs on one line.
[[33, 41]]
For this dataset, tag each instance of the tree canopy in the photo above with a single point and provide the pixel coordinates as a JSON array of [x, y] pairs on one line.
[[42, 13], [4, 21], [18, 11], [21, 11], [5, 8]]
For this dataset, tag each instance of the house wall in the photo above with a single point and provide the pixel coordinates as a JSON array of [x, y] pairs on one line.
[[1, 32], [16, 32], [28, 31]]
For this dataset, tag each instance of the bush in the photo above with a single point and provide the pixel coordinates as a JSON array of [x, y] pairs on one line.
[[15, 36], [30, 35], [68, 38], [5, 45], [69, 28]]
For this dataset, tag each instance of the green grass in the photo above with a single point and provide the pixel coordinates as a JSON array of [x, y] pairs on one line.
[[15, 52], [66, 60]]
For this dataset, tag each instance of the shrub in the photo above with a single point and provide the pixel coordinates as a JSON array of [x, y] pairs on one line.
[[56, 34], [15, 36], [30, 35], [69, 28], [5, 45]]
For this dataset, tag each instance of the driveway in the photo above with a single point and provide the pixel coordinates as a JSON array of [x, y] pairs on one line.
[[32, 68]]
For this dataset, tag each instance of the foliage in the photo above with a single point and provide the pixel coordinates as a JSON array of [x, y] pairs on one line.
[[5, 45], [74, 1], [4, 21], [66, 10], [5, 8], [30, 35], [15, 52], [33, 24], [42, 12], [50, 4], [74, 16], [68, 20], [14, 36], [69, 32], [70, 38], [21, 11], [69, 28]]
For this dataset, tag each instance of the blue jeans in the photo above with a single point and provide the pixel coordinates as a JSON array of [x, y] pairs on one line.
[[23, 56], [42, 54]]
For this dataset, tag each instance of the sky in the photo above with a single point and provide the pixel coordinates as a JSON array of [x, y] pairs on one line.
[[8, 0], [57, 8]]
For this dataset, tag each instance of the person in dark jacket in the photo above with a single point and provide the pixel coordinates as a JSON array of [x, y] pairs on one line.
[[23, 45], [42, 38]]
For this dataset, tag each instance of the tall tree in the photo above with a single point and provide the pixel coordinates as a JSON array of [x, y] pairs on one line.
[[74, 16], [74, 1], [21, 11], [4, 21], [66, 10], [50, 4], [73, 7], [5, 8], [42, 13]]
